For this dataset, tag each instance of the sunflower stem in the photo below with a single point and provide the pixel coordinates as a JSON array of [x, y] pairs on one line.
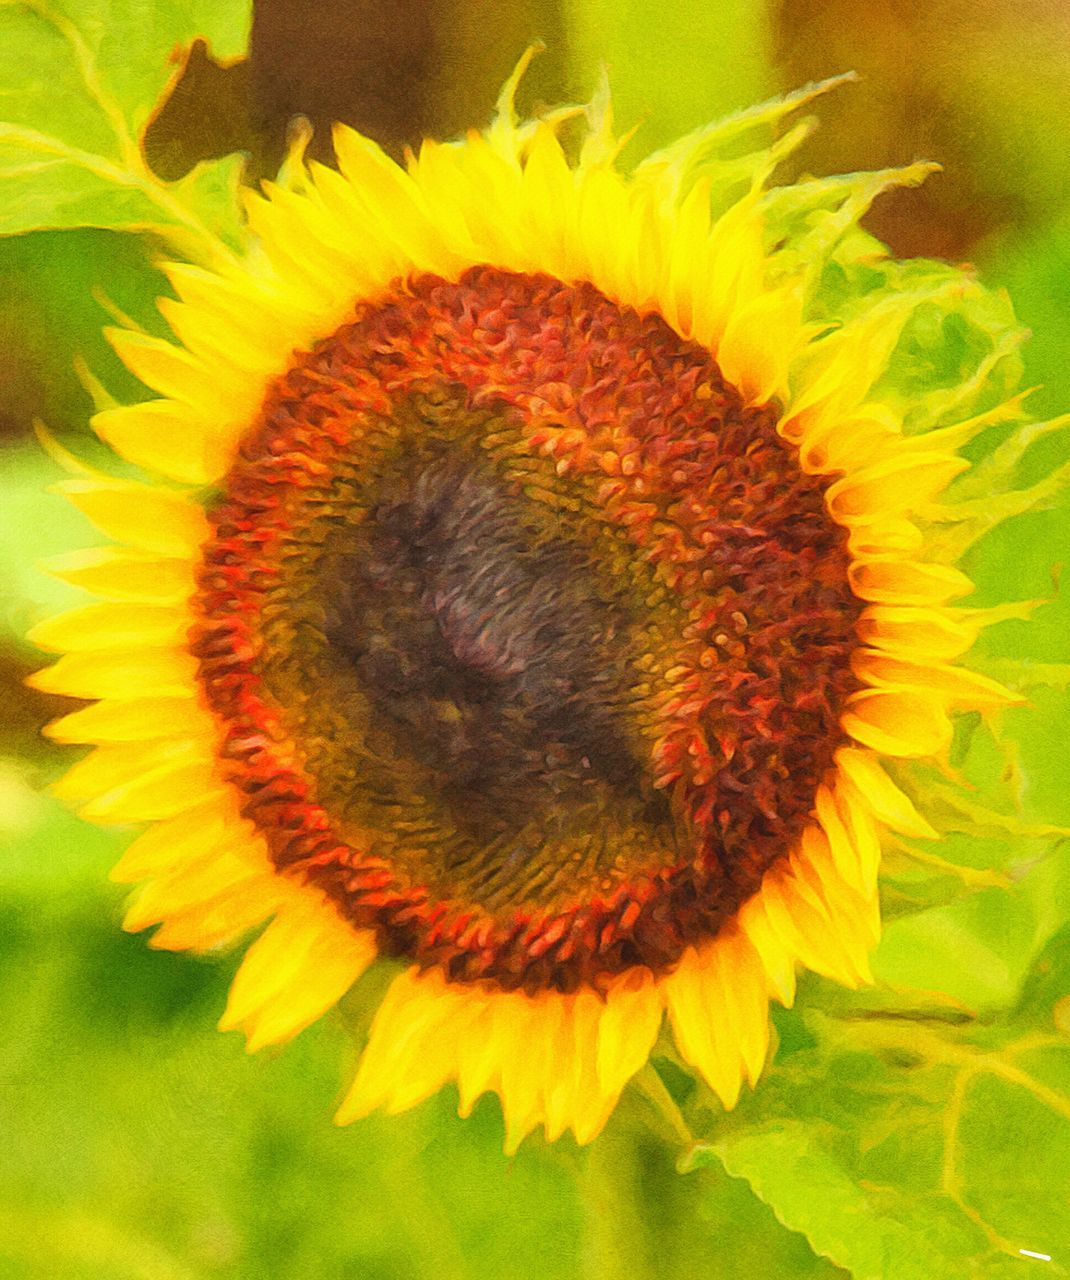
[[631, 1190], [618, 1244]]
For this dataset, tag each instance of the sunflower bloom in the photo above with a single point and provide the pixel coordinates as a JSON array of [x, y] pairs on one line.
[[537, 574]]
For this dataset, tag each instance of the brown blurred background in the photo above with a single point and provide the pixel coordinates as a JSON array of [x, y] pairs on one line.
[[398, 71], [959, 81]]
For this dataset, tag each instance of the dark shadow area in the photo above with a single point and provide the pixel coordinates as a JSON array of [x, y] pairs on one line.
[[398, 72], [904, 108]]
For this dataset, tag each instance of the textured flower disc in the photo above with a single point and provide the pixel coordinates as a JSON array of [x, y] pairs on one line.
[[531, 640], [555, 571]]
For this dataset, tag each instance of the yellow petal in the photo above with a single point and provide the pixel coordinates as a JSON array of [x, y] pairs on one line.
[[134, 720], [296, 242], [116, 673], [471, 183], [410, 1052], [302, 964], [843, 368], [151, 519], [956, 684], [135, 576], [862, 833], [840, 844], [731, 269], [690, 231], [760, 341], [852, 912], [903, 482], [168, 438], [160, 793], [642, 252], [543, 1085], [210, 823], [238, 320], [743, 994], [549, 188], [108, 766], [805, 927], [193, 885], [592, 1102], [847, 442], [524, 1062], [778, 960], [893, 581], [602, 202], [705, 1030], [210, 387], [112, 626], [391, 203], [220, 919], [478, 1056], [888, 803], [898, 723], [916, 633], [628, 1029], [887, 535]]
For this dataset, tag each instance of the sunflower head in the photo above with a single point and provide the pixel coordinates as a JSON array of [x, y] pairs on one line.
[[541, 564]]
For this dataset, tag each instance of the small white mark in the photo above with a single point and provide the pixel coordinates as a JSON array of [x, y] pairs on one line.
[[1044, 1257]]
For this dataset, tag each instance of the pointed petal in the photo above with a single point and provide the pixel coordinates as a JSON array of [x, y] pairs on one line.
[[210, 823], [112, 626], [411, 1049], [888, 803], [148, 518], [135, 720], [120, 674], [890, 580], [898, 722], [134, 576], [703, 1028], [167, 438], [302, 964], [903, 482]]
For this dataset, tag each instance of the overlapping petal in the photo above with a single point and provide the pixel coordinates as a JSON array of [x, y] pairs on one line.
[[697, 235]]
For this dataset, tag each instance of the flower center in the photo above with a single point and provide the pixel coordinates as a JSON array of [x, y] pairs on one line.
[[529, 639]]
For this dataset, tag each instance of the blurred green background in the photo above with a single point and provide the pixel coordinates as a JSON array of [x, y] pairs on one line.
[[139, 1143]]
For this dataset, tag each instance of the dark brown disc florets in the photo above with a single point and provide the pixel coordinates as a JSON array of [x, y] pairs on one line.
[[529, 639]]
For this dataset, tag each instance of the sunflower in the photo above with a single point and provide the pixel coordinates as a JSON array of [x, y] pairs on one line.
[[535, 578]]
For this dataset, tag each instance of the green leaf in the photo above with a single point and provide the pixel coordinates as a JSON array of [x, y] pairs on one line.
[[49, 851], [58, 289], [645, 1222], [898, 1147], [1045, 998], [38, 524], [1035, 268], [976, 950], [671, 68], [80, 80]]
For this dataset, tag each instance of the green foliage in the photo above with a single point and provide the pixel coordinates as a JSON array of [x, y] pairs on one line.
[[671, 67], [141, 1143], [909, 1150], [646, 1222], [56, 288], [1036, 270], [80, 80], [36, 525], [915, 1131]]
